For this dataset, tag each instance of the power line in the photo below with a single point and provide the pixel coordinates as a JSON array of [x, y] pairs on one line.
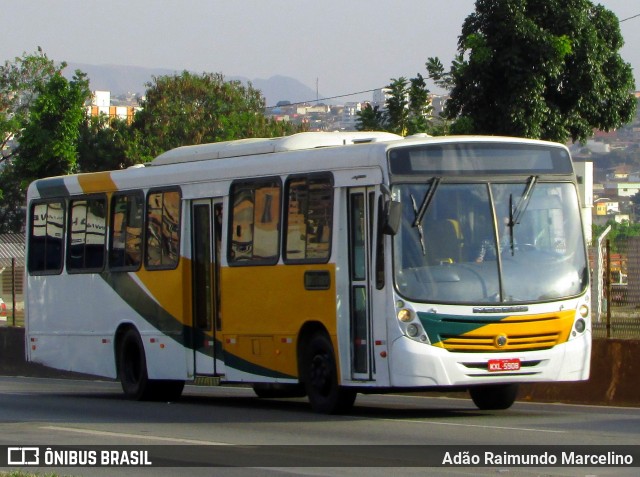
[[629, 18], [329, 97]]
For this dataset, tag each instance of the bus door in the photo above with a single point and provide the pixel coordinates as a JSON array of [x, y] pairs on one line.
[[360, 215], [206, 233]]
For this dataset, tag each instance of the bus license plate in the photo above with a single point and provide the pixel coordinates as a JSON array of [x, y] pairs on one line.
[[506, 364]]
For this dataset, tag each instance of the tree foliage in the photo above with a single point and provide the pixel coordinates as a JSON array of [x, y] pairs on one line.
[[191, 109], [20, 81], [407, 109], [370, 118], [105, 144], [546, 69], [619, 234], [397, 106], [419, 106], [40, 111], [48, 143]]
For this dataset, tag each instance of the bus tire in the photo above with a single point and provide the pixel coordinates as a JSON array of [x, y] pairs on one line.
[[132, 371], [278, 390], [326, 396], [132, 367], [493, 397]]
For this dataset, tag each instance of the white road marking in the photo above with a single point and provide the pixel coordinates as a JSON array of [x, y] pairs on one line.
[[95, 432], [431, 423]]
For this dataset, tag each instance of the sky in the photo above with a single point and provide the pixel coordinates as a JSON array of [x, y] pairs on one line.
[[336, 46]]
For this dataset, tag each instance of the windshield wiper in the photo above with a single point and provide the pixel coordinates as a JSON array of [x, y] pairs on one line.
[[425, 203], [520, 208], [419, 226], [417, 222]]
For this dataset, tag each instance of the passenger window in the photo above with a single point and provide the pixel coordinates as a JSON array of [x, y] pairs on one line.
[[163, 230], [87, 234], [255, 222], [309, 206], [46, 237], [125, 252]]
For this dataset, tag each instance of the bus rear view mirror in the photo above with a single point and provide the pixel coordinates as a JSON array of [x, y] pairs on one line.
[[392, 218]]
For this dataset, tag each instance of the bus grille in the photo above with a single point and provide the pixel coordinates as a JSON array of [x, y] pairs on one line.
[[500, 334], [487, 343]]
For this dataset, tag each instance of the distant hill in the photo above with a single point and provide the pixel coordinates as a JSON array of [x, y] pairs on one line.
[[132, 79]]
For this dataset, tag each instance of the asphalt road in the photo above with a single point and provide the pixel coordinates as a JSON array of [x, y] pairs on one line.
[[64, 412]]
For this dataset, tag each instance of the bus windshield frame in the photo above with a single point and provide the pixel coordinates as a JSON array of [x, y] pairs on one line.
[[483, 234]]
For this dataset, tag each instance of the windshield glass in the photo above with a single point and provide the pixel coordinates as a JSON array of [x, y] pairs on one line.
[[489, 243]]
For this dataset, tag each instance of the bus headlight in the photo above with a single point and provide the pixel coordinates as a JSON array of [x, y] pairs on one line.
[[413, 330], [580, 325]]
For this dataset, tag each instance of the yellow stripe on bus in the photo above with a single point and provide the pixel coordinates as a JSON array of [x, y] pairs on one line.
[[96, 182]]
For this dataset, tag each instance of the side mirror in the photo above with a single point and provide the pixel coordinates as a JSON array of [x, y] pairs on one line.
[[392, 217]]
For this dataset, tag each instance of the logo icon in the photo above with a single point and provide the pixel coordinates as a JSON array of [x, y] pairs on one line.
[[23, 456], [500, 341]]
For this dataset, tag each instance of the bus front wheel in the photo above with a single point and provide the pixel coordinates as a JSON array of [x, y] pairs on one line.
[[326, 396], [493, 397]]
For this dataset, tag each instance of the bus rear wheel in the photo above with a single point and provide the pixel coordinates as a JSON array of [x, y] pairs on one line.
[[493, 397], [132, 371], [326, 396]]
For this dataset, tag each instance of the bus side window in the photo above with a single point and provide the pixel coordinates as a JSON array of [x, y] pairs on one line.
[[163, 230], [255, 222], [309, 207], [87, 234], [46, 237], [125, 250]]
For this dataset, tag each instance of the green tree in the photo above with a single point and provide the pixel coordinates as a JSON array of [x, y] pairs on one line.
[[370, 118], [36, 114], [191, 109], [20, 81], [545, 69], [397, 106], [407, 109], [419, 106], [12, 202], [619, 234], [49, 141], [106, 144]]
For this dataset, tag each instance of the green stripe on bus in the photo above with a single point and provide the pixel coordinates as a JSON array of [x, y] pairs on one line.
[[54, 187], [438, 326]]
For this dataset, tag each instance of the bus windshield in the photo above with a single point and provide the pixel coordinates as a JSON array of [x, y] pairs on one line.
[[475, 243]]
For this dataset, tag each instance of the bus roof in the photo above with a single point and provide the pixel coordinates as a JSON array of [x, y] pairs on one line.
[[254, 146]]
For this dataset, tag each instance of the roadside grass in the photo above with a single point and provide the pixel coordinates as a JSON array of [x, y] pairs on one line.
[[19, 473]]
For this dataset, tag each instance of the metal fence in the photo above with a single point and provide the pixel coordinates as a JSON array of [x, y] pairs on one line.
[[616, 288], [12, 291]]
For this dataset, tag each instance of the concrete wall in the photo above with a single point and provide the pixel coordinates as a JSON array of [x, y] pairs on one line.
[[615, 373]]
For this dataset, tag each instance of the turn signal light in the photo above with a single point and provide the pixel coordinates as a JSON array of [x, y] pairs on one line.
[[584, 311], [404, 315]]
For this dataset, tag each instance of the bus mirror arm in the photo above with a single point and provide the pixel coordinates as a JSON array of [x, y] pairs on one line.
[[392, 217], [392, 213]]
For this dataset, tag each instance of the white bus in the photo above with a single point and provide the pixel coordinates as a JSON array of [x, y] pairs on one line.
[[320, 264]]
